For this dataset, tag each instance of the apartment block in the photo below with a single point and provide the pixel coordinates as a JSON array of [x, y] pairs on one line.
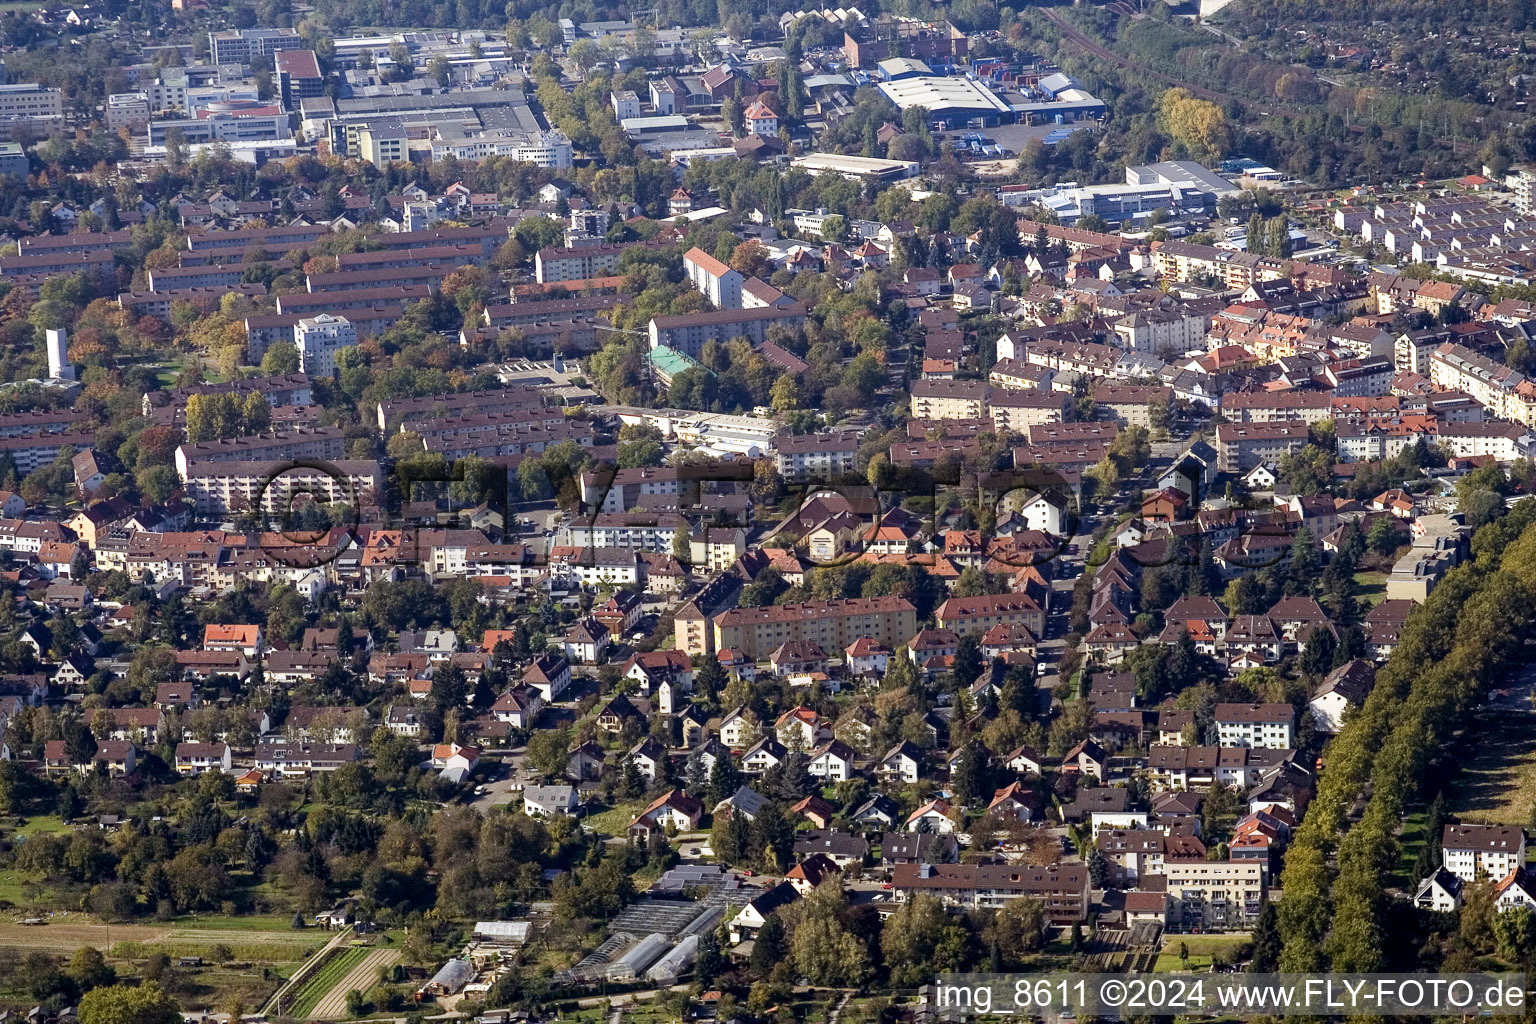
[[715, 281], [1062, 888], [831, 625], [820, 457], [1241, 446], [1489, 852], [1213, 895], [1254, 725], [688, 333], [217, 488], [949, 399], [319, 339]]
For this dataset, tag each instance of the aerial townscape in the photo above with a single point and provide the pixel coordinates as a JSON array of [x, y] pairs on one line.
[[528, 513]]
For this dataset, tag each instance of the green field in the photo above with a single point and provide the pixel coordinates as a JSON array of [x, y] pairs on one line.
[[615, 819], [1410, 840], [320, 984], [1203, 950], [1370, 588], [1168, 963]]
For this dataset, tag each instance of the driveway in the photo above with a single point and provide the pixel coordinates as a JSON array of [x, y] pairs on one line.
[[694, 849]]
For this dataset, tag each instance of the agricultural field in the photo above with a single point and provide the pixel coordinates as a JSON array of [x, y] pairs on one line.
[[243, 959], [318, 987], [256, 938], [65, 933], [362, 976]]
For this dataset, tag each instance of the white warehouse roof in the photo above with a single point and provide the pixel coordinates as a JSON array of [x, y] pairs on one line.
[[939, 94]]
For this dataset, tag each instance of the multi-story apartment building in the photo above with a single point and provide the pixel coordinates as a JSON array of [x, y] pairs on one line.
[[688, 333], [1215, 894], [1088, 358], [1062, 888], [715, 281], [1493, 384], [38, 421], [1270, 407], [820, 457], [949, 399], [577, 263], [1130, 404], [309, 304], [396, 414], [1254, 725], [1504, 441], [618, 490], [94, 264], [1489, 852], [298, 443], [1019, 410], [1185, 261], [216, 488], [979, 614], [361, 279], [319, 339], [29, 453], [1241, 446], [1162, 330], [158, 304], [831, 625]]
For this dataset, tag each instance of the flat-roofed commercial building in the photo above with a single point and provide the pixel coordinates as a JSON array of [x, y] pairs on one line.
[[959, 101], [28, 99], [857, 168]]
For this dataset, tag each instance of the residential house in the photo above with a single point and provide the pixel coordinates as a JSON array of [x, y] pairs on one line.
[[674, 810], [197, 758], [548, 801]]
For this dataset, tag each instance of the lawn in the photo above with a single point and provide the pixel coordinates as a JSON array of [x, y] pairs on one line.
[[1206, 944], [1168, 963], [14, 889], [1498, 782], [1371, 588], [1203, 951], [615, 819], [1409, 842], [43, 824]]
